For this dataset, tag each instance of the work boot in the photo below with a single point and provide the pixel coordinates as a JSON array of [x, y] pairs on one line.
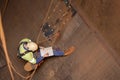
[[69, 50], [29, 67]]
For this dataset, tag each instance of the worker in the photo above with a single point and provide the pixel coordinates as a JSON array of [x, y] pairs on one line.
[[31, 52]]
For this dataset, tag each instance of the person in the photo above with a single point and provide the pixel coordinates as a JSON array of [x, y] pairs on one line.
[[34, 54]]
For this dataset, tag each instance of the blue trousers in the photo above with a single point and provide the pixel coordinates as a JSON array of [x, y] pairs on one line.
[[58, 53], [55, 52]]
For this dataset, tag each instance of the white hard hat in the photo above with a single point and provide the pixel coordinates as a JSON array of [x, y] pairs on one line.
[[32, 46]]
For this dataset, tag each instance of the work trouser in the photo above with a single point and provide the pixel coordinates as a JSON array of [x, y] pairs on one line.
[[58, 52]]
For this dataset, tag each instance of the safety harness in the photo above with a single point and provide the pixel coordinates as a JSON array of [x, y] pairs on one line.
[[19, 55]]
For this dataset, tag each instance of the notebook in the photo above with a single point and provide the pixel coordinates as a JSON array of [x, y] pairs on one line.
[[47, 50]]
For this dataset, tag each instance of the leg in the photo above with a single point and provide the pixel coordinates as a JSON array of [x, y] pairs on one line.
[[64, 53], [58, 53]]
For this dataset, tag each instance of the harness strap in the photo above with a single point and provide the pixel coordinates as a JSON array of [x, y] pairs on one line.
[[19, 55]]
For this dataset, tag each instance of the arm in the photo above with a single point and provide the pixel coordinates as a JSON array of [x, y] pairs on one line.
[[39, 59]]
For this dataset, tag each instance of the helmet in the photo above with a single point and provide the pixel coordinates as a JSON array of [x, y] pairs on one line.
[[25, 40], [32, 46]]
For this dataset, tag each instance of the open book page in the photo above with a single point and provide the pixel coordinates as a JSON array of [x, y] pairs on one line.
[[47, 50]]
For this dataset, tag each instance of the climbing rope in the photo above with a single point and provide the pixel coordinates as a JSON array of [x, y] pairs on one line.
[[37, 40], [9, 64], [4, 7], [3, 40]]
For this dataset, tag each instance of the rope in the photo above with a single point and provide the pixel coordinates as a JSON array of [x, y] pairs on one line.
[[4, 8], [30, 78], [37, 40], [2, 37], [9, 64], [17, 72]]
